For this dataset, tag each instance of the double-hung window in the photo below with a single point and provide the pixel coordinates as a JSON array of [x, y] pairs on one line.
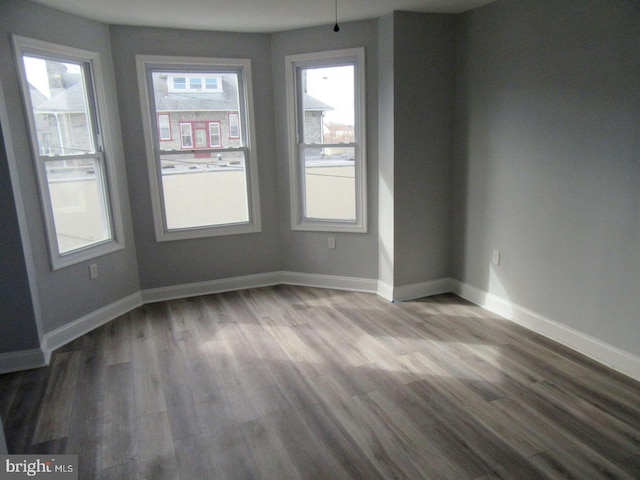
[[203, 182], [65, 106], [327, 158]]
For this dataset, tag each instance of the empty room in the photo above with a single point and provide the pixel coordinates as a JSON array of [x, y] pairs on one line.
[[320, 239]]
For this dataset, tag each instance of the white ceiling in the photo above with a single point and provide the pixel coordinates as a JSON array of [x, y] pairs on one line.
[[247, 15]]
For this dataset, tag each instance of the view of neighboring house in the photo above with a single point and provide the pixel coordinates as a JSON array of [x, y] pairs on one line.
[[61, 113], [199, 111]]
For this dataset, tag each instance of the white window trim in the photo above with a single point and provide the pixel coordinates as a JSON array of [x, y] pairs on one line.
[[298, 222], [163, 234], [25, 45]]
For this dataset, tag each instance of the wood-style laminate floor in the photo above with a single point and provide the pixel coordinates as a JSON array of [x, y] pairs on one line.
[[291, 382]]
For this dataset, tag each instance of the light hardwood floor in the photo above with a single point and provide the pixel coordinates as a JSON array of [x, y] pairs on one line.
[[293, 382]]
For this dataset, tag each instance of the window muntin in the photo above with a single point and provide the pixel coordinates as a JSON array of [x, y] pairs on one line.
[[204, 184], [327, 148], [61, 88]]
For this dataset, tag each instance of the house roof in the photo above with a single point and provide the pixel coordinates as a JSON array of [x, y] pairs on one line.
[[312, 103], [226, 100], [71, 99]]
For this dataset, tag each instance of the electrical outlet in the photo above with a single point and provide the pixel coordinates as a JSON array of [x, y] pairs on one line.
[[332, 243], [93, 271], [495, 259]]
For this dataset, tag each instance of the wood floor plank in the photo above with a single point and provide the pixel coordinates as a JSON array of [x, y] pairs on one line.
[[560, 462], [87, 415], [300, 382], [119, 432], [128, 470], [149, 396], [269, 454], [194, 457], [118, 340], [183, 417], [333, 436], [53, 419], [157, 458]]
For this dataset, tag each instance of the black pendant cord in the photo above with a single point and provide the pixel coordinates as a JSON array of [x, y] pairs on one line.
[[336, 28]]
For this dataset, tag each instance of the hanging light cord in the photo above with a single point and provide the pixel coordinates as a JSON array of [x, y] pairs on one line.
[[336, 28]]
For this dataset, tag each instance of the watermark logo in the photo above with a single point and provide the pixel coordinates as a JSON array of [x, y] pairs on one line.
[[44, 467]]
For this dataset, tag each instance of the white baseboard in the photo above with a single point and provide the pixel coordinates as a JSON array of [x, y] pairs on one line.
[[69, 332], [385, 290], [259, 280], [213, 286], [335, 282], [403, 293], [613, 357], [23, 360]]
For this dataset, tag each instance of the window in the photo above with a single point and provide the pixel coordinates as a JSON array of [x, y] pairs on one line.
[[194, 82], [63, 96], [214, 134], [212, 83], [234, 125], [164, 127], [200, 187], [178, 83], [326, 109], [186, 135]]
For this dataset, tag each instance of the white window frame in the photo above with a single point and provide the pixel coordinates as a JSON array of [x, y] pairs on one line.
[[104, 155], [352, 56], [143, 64]]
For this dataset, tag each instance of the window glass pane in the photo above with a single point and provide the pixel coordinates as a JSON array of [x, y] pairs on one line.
[[185, 136], [234, 126], [206, 190], [329, 183], [195, 83], [200, 109], [60, 107], [214, 132], [328, 104], [179, 83], [78, 200], [164, 127], [202, 188]]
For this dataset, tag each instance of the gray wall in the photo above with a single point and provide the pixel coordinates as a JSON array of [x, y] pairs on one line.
[[181, 262], [547, 165], [356, 254], [386, 149], [118, 272], [423, 127], [17, 316], [415, 140]]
